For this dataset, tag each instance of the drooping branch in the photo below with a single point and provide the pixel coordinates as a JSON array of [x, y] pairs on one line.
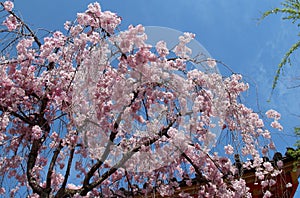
[[36, 145], [51, 166], [62, 191], [22, 117], [31, 32], [32, 157], [30, 165], [68, 168], [164, 132], [200, 177], [109, 144], [128, 180]]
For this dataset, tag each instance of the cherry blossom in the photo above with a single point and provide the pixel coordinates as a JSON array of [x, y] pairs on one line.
[[8, 5], [267, 194], [273, 114], [229, 149], [11, 23], [92, 111], [162, 49], [211, 62], [2, 191], [36, 132], [277, 125], [181, 49], [279, 164]]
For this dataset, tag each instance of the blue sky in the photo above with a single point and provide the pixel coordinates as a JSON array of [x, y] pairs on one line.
[[228, 29]]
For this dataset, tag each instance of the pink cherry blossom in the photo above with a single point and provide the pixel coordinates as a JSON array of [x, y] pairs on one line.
[[109, 21], [229, 149], [272, 182], [267, 194], [94, 8], [35, 195], [273, 114], [2, 191], [11, 23], [36, 132], [73, 186], [279, 164], [162, 49], [211, 62], [181, 49], [264, 183], [275, 124], [8, 5]]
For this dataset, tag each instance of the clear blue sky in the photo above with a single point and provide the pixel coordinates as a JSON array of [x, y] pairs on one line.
[[229, 30]]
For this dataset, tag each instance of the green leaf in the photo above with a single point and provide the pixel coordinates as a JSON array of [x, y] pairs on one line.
[[297, 131]]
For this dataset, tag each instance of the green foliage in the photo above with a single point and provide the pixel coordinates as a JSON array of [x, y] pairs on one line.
[[291, 11], [295, 153], [297, 132]]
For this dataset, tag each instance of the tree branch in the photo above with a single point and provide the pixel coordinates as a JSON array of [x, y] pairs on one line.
[[23, 118], [62, 191], [109, 144], [86, 188], [68, 168], [25, 25], [51, 166], [30, 164]]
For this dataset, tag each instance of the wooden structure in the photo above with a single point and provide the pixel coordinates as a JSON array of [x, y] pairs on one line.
[[290, 174]]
